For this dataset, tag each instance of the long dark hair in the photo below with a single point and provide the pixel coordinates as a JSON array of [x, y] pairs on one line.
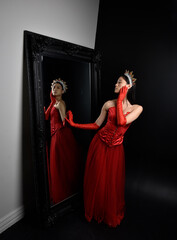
[[131, 91]]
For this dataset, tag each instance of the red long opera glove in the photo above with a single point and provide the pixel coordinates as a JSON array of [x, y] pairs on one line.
[[69, 119], [121, 119], [47, 112]]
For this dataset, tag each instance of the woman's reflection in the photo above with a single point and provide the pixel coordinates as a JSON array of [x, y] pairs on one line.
[[64, 157]]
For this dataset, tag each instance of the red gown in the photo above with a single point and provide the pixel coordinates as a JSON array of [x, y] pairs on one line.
[[104, 178], [64, 161]]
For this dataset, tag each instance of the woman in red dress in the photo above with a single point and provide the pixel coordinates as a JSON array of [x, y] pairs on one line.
[[64, 162], [104, 178]]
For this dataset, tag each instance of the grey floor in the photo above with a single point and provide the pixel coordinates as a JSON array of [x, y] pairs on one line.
[[143, 220]]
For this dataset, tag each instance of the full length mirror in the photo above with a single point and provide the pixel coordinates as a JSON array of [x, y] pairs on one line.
[[61, 76]]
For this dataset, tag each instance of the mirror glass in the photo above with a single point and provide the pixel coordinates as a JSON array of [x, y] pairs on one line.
[[65, 146]]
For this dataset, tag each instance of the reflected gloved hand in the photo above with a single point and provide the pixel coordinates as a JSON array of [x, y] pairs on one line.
[[52, 98], [53, 101]]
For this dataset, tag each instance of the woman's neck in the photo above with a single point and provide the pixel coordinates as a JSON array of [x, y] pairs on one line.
[[125, 102], [58, 98]]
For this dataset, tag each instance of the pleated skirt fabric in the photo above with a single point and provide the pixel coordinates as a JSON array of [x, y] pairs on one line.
[[104, 183]]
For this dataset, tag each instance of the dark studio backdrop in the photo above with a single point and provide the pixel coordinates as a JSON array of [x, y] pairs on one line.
[[144, 39]]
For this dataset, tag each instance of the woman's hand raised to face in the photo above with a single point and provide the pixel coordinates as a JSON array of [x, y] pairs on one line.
[[52, 98], [122, 93]]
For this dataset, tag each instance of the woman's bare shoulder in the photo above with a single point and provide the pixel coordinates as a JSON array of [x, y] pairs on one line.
[[137, 107], [62, 102], [109, 103]]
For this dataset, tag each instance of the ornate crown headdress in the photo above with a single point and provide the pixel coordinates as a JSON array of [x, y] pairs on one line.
[[131, 78], [60, 81]]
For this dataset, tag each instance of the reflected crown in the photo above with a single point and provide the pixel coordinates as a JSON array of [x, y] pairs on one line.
[[60, 81]]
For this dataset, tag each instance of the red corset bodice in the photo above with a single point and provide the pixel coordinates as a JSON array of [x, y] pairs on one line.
[[111, 133], [55, 120]]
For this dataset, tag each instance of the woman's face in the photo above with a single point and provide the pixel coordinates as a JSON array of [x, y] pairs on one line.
[[119, 84], [57, 90]]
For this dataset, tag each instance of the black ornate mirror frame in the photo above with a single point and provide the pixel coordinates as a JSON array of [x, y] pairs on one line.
[[36, 46]]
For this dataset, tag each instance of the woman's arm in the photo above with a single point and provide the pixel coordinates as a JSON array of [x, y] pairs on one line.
[[132, 116], [103, 113], [137, 110], [47, 112], [94, 125], [61, 106]]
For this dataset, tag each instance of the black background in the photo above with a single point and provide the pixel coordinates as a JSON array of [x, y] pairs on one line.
[[143, 38]]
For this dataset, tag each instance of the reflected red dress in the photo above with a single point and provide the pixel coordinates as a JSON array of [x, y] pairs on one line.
[[64, 161], [104, 179]]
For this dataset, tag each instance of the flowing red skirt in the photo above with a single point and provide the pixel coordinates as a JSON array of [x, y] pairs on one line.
[[65, 165], [104, 183]]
